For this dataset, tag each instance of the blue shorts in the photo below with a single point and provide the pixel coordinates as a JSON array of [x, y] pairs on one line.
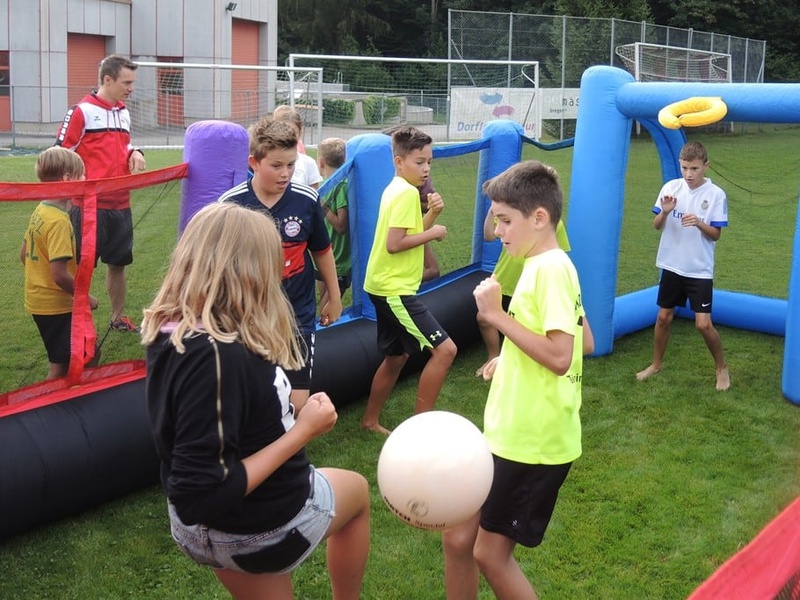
[[276, 551]]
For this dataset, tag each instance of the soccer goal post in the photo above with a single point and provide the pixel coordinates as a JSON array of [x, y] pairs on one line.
[[451, 99], [170, 96], [656, 62]]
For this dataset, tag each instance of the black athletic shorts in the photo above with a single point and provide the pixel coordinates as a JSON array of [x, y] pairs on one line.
[[301, 378], [55, 331], [405, 325], [521, 500], [675, 289], [344, 281], [114, 235]]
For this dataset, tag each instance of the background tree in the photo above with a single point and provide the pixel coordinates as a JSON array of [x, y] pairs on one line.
[[775, 21], [409, 28], [325, 27]]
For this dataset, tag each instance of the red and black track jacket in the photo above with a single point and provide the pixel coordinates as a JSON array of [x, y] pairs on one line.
[[101, 134]]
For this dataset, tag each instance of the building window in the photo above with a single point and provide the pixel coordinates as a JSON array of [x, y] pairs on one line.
[[5, 75]]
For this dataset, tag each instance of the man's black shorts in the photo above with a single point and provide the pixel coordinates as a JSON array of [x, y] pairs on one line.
[[114, 235]]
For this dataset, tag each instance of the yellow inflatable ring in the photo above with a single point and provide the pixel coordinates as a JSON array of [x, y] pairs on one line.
[[693, 112]]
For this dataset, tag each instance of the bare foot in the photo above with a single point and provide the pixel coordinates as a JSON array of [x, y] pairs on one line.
[[723, 379], [376, 427], [645, 373], [479, 370]]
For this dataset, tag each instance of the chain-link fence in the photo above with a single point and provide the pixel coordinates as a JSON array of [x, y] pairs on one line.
[[451, 99], [169, 97], [504, 65], [566, 46]]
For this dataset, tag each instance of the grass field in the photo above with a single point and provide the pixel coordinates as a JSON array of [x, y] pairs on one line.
[[674, 479]]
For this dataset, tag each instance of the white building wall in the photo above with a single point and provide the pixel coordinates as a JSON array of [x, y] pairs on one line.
[[5, 13], [196, 30], [28, 45]]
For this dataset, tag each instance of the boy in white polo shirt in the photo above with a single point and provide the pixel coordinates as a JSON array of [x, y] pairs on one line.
[[690, 213]]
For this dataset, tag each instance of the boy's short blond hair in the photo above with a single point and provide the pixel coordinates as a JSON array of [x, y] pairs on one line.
[[406, 139], [56, 162], [332, 151], [527, 186], [286, 113], [269, 134], [694, 151]]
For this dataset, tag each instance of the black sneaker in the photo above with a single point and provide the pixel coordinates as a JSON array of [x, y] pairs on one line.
[[124, 324]]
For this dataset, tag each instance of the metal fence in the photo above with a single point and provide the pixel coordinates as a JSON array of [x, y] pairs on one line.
[[414, 91], [169, 97], [566, 46]]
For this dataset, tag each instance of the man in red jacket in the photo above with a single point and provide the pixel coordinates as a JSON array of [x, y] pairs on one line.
[[98, 128]]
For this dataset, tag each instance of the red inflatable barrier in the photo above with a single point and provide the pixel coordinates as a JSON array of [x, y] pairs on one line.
[[767, 568]]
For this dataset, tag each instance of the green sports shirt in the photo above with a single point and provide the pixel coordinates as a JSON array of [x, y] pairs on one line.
[[340, 242]]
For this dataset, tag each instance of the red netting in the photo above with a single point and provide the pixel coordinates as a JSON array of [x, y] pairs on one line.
[[767, 568], [49, 392], [84, 334]]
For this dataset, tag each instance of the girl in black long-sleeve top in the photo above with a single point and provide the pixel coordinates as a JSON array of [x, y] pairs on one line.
[[243, 497]]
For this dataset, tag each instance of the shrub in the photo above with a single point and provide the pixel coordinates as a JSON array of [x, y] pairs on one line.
[[379, 109], [337, 111]]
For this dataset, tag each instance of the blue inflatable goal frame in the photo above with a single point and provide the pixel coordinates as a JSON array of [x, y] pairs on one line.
[[610, 100]]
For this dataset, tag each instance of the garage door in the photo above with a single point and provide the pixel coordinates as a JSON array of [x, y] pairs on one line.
[[84, 53], [5, 93], [244, 84]]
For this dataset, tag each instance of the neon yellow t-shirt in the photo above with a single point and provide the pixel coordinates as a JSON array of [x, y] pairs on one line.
[[508, 268], [532, 414], [49, 237], [398, 274]]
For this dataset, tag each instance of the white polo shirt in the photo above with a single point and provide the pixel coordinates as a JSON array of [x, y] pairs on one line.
[[686, 250]]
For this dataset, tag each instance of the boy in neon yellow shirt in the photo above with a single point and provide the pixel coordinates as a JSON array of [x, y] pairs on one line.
[[507, 271], [393, 276], [531, 419]]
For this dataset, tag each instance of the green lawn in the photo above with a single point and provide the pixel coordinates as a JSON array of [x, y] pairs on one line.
[[674, 479]]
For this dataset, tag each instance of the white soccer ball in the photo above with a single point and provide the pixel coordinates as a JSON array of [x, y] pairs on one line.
[[435, 470]]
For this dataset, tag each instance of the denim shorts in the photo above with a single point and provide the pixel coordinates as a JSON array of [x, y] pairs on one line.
[[279, 550]]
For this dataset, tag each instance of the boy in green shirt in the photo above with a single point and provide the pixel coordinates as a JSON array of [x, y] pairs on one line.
[[331, 154], [393, 276], [531, 419]]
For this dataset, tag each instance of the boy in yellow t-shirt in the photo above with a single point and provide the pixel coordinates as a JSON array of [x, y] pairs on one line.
[[393, 276], [48, 253], [531, 419], [507, 272]]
